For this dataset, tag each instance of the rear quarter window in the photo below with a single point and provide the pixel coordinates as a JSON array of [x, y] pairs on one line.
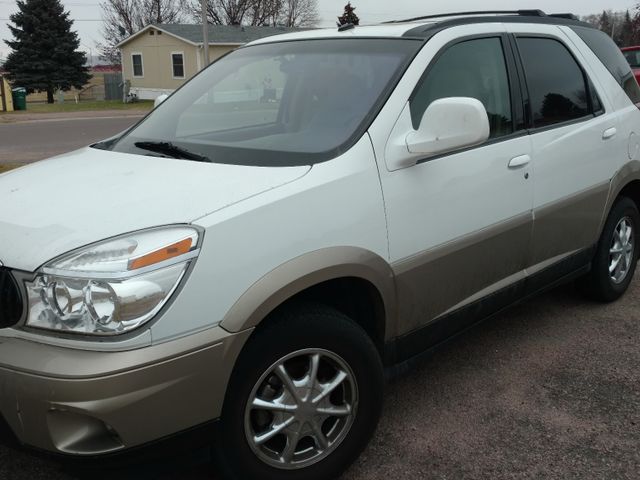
[[611, 57]]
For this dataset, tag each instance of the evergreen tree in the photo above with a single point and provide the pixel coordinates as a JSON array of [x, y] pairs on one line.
[[45, 54], [349, 16], [605, 23], [635, 32], [627, 33]]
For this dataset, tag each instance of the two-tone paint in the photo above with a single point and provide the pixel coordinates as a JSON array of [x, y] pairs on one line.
[[442, 242]]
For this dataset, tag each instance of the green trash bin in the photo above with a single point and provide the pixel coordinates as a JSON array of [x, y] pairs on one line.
[[19, 95]]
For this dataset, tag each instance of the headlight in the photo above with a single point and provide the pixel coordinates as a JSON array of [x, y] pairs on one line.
[[111, 287]]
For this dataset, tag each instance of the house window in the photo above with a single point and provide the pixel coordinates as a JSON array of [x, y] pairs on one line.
[[136, 60], [177, 64]]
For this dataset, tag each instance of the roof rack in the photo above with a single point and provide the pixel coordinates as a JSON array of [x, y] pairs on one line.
[[427, 30], [568, 16], [523, 13]]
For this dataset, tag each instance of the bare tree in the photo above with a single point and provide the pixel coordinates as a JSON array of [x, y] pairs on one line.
[[264, 12], [123, 18], [291, 13], [299, 13], [223, 12]]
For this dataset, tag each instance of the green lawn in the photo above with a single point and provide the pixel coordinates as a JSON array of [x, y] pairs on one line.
[[4, 167], [85, 106]]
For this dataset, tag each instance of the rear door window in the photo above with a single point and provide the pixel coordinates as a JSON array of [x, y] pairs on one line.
[[558, 91]]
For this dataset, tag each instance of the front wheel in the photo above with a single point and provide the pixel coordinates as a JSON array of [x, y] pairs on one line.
[[304, 398], [614, 263]]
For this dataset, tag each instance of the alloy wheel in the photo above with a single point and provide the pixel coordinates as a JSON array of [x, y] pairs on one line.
[[301, 409], [622, 251]]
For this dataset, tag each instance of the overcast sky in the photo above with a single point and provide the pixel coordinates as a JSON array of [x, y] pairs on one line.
[[86, 13]]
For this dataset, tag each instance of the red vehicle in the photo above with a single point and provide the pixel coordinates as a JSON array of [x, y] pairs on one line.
[[632, 54]]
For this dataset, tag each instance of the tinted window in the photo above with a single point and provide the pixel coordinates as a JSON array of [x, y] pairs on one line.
[[633, 58], [278, 104], [177, 61], [476, 69], [557, 88], [610, 55], [137, 65]]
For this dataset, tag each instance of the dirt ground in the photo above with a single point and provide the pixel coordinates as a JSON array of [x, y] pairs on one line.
[[549, 389]]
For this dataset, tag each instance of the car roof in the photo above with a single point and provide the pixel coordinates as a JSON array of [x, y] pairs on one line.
[[425, 26], [381, 30]]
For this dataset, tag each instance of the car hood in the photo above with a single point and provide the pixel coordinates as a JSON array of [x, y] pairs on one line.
[[54, 206]]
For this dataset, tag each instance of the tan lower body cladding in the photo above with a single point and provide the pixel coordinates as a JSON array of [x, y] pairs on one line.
[[440, 280]]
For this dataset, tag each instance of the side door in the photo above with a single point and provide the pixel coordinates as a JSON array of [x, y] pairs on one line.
[[459, 224], [574, 151]]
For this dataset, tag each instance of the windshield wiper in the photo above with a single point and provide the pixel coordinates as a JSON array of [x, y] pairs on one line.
[[172, 150]]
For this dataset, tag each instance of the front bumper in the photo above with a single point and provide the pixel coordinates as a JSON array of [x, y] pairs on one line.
[[91, 403]]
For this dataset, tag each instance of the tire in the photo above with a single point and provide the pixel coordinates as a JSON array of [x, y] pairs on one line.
[[296, 337], [600, 284]]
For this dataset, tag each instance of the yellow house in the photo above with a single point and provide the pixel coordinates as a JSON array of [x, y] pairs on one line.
[[160, 58]]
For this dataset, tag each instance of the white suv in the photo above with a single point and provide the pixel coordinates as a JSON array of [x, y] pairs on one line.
[[311, 209]]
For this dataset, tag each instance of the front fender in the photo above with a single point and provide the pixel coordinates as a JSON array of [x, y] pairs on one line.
[[308, 270]]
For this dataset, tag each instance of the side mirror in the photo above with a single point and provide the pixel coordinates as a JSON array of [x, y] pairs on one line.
[[450, 124], [159, 99]]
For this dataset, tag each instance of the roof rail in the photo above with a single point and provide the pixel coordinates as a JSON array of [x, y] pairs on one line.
[[568, 16], [523, 13]]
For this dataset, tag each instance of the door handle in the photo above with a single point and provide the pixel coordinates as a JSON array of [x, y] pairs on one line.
[[609, 133], [520, 161]]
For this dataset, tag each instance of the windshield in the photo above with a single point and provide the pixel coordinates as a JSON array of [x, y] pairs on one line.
[[633, 57], [277, 104]]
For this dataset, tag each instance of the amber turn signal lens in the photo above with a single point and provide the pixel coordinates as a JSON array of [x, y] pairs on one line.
[[174, 250]]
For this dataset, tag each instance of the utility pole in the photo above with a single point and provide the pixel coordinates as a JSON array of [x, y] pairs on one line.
[[205, 34]]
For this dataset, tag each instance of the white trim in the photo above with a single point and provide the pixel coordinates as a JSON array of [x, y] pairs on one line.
[[166, 32], [198, 58], [184, 66], [195, 44], [133, 68], [147, 28]]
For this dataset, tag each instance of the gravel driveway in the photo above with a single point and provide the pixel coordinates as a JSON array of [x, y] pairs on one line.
[[548, 389]]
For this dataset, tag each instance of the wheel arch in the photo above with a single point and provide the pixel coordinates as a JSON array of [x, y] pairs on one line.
[[345, 278], [625, 183]]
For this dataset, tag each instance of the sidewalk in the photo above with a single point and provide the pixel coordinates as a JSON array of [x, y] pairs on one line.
[[79, 115]]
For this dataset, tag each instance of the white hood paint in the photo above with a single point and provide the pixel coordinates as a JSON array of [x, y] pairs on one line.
[[57, 205]]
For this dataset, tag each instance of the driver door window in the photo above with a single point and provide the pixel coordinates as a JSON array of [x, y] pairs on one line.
[[473, 68]]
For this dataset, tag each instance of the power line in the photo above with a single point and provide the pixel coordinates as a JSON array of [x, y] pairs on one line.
[[73, 19], [66, 4]]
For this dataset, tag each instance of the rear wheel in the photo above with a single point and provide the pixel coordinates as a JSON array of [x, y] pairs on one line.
[[616, 256], [304, 398]]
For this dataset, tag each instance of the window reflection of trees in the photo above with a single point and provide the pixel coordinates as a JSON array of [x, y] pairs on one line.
[[558, 108]]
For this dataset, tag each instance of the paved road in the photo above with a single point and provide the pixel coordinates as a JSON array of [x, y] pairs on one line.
[[549, 389], [28, 141]]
